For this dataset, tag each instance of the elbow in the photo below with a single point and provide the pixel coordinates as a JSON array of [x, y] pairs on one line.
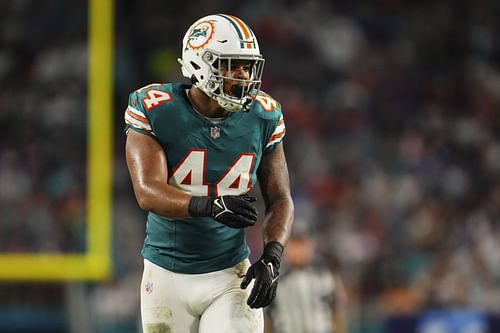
[[143, 200], [292, 211], [292, 206], [284, 204], [143, 204]]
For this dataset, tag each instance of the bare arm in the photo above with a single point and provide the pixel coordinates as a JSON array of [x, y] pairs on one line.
[[148, 169], [275, 186]]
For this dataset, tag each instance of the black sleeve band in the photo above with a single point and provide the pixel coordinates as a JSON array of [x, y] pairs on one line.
[[200, 206], [273, 251]]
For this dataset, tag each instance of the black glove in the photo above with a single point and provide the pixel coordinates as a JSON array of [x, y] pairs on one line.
[[235, 211], [265, 272]]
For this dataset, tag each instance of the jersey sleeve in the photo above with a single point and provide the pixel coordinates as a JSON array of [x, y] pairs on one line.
[[277, 131], [269, 110], [136, 117]]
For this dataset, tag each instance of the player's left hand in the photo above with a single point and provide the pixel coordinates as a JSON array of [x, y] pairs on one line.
[[265, 272]]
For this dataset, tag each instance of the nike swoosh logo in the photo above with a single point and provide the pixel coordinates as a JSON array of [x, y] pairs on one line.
[[218, 204], [271, 267]]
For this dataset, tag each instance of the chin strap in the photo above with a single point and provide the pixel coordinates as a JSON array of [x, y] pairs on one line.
[[228, 106], [223, 102]]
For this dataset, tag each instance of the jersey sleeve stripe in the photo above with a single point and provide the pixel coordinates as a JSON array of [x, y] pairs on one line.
[[279, 129], [134, 110], [277, 136], [277, 140], [137, 117], [137, 121], [134, 123]]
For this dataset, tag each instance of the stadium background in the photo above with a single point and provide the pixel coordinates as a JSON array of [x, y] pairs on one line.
[[393, 145]]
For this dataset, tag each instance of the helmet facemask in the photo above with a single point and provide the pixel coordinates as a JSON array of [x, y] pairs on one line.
[[243, 91]]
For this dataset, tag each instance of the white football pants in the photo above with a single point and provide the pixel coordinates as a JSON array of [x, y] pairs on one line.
[[197, 303]]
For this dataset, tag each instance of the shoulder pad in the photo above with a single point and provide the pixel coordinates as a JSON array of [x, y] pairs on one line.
[[152, 95], [266, 107]]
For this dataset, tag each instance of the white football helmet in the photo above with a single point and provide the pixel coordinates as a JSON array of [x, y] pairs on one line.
[[221, 39]]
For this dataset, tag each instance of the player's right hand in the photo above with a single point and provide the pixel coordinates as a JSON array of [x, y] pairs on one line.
[[235, 211]]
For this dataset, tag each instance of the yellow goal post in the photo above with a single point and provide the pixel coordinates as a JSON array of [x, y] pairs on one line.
[[95, 262]]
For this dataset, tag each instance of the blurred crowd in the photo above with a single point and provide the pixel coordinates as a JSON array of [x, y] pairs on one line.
[[392, 111]]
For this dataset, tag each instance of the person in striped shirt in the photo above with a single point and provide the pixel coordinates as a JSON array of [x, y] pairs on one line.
[[312, 297], [195, 153]]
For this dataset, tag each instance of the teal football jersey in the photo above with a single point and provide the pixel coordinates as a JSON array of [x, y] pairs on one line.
[[204, 159]]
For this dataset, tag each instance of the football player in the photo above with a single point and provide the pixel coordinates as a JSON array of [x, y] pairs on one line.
[[194, 151]]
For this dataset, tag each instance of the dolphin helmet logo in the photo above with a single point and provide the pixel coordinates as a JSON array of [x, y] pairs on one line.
[[198, 32], [200, 35]]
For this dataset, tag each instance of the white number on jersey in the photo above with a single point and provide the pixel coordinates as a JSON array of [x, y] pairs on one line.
[[267, 103], [236, 181], [189, 175], [155, 98]]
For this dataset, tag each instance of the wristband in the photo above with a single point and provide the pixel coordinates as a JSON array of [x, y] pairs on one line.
[[200, 206], [272, 252]]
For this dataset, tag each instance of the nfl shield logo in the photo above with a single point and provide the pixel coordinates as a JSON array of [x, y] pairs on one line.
[[214, 132], [148, 287]]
